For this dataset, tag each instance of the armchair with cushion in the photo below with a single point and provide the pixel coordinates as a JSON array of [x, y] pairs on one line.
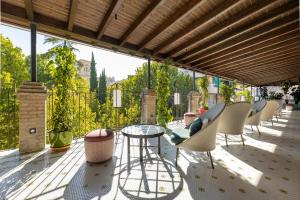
[[254, 117], [269, 111], [203, 140], [233, 119]]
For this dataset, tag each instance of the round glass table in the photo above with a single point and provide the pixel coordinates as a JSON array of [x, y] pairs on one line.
[[142, 132]]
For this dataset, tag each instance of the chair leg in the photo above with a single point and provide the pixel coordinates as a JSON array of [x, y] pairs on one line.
[[242, 139], [177, 153], [252, 128], [211, 160], [258, 130], [226, 140], [272, 122]]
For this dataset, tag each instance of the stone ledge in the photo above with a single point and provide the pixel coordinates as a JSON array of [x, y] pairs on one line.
[[32, 87]]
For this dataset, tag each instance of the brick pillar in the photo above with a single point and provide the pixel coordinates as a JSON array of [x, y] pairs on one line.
[[32, 117], [148, 107], [193, 99]]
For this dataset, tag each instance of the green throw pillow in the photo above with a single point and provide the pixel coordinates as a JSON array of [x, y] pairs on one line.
[[195, 126]]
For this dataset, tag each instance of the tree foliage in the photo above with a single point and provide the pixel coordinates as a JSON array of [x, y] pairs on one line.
[[163, 93], [203, 84], [93, 75], [102, 87], [227, 91]]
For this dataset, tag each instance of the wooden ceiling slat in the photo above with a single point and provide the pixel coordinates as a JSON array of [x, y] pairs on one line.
[[242, 40], [285, 35], [234, 19], [235, 32], [143, 17], [196, 24], [176, 16], [253, 37], [72, 14], [113, 9], [279, 78], [276, 49], [268, 69], [29, 9], [254, 64]]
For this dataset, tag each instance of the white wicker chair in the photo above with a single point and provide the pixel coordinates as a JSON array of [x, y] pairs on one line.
[[233, 119], [269, 111], [254, 118], [205, 139]]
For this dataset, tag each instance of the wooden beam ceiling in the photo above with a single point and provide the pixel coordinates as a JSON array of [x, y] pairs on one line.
[[176, 16], [272, 41], [262, 38], [73, 9], [196, 24], [138, 22], [259, 54], [227, 23], [253, 37], [29, 9], [110, 14], [235, 33]]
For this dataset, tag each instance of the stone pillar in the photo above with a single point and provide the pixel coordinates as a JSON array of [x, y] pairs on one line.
[[148, 107], [32, 98], [193, 99]]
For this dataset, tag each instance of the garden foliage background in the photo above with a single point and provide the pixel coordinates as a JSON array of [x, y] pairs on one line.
[[91, 107]]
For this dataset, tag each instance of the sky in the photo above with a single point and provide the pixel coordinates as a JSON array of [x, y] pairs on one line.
[[115, 64]]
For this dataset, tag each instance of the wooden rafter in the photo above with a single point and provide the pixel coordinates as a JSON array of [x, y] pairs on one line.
[[270, 68], [29, 9], [280, 60], [264, 53], [196, 24], [284, 69], [176, 16], [112, 10], [276, 39], [143, 17], [242, 29], [73, 9], [253, 37], [234, 19]]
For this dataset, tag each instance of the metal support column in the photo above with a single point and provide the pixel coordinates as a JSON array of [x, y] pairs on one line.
[[194, 81], [149, 72], [33, 53]]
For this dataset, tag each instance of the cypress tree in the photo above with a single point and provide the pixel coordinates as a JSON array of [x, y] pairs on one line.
[[93, 75], [102, 87]]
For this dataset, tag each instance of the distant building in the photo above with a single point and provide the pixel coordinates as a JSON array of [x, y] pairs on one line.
[[84, 68]]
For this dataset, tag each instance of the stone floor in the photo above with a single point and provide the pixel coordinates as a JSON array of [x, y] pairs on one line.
[[266, 168]]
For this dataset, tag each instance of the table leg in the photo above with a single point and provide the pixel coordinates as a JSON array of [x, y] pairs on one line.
[[158, 144], [128, 148], [145, 143], [141, 149]]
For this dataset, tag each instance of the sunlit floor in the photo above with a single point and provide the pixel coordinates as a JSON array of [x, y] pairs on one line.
[[266, 168]]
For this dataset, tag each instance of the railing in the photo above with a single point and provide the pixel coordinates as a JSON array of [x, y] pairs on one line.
[[84, 117], [9, 123]]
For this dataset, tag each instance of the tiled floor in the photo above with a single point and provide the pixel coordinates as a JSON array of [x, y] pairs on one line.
[[266, 168]]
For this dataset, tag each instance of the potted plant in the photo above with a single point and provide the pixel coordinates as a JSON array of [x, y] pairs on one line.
[[285, 86], [246, 94], [264, 92], [296, 94], [227, 91], [61, 135], [203, 84]]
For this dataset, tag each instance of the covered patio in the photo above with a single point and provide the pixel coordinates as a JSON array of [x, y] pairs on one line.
[[255, 43], [266, 168]]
